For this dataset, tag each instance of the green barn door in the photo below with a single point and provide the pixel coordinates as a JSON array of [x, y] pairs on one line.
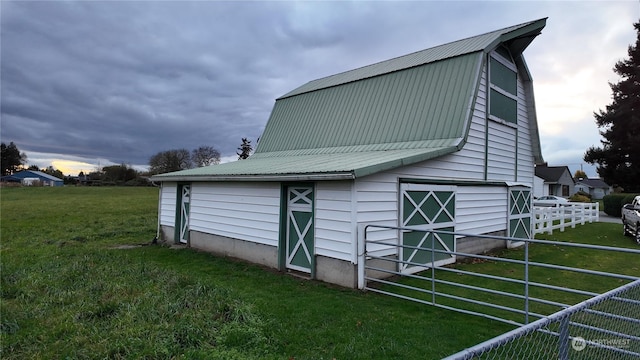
[[427, 207], [182, 219], [299, 238], [519, 214]]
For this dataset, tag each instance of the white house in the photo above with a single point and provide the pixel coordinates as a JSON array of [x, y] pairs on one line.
[[444, 138], [596, 188], [557, 180]]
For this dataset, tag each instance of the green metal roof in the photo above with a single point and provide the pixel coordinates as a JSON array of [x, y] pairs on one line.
[[332, 166], [516, 38], [394, 113]]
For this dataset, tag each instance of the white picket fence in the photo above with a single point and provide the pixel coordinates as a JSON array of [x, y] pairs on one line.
[[549, 218]]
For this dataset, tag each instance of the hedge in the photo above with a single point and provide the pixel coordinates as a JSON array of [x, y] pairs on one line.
[[613, 203]]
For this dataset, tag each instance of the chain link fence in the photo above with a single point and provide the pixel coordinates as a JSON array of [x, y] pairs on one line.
[[606, 326]]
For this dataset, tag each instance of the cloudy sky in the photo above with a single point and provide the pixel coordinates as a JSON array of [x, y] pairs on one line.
[[86, 84]]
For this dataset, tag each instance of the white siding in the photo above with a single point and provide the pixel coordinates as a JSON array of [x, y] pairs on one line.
[[481, 209], [168, 196], [501, 152], [333, 228], [245, 211], [526, 170], [377, 203]]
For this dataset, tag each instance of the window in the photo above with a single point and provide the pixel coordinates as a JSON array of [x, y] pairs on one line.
[[503, 84]]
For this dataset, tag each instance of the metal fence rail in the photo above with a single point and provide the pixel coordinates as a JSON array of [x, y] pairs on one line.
[[600, 326], [606, 326], [549, 218], [380, 268]]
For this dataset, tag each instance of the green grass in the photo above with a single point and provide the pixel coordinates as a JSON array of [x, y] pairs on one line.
[[68, 292]]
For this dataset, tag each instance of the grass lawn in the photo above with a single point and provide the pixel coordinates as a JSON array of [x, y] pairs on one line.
[[67, 291]]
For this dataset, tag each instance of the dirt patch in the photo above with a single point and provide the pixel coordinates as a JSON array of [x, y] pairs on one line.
[[126, 247]]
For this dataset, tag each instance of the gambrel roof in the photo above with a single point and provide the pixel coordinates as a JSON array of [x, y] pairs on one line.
[[382, 116]]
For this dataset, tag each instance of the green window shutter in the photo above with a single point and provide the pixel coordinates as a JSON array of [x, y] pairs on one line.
[[503, 107], [503, 77]]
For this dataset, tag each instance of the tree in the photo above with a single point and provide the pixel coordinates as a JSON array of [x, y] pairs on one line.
[[618, 158], [11, 158], [245, 149], [168, 161], [118, 174], [205, 156], [53, 172], [580, 174]]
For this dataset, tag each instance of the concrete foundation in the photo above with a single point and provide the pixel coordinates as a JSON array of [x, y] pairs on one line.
[[476, 245], [335, 271], [245, 250], [167, 234]]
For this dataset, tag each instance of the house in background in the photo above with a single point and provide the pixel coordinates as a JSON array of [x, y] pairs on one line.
[[440, 139], [557, 180], [539, 189], [33, 177], [596, 188]]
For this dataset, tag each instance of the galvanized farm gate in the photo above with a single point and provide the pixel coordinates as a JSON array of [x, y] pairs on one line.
[[613, 326]]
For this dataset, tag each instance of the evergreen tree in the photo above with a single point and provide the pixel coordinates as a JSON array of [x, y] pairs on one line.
[[618, 158], [245, 149], [12, 158]]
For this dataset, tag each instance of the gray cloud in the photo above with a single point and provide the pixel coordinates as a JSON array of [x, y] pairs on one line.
[[124, 80]]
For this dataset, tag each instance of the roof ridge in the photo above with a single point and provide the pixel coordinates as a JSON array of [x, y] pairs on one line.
[[309, 86]]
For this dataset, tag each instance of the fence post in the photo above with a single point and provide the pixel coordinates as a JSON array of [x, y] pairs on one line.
[[433, 268], [563, 339], [573, 217], [362, 237], [526, 282]]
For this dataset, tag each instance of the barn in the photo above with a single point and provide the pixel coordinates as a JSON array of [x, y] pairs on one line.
[[33, 177], [444, 138]]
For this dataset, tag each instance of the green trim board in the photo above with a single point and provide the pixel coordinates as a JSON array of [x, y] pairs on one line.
[[457, 182]]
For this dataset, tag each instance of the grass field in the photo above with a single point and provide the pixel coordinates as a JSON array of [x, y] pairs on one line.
[[68, 291]]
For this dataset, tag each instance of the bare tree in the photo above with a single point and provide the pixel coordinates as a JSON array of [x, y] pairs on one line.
[[168, 161], [205, 156]]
